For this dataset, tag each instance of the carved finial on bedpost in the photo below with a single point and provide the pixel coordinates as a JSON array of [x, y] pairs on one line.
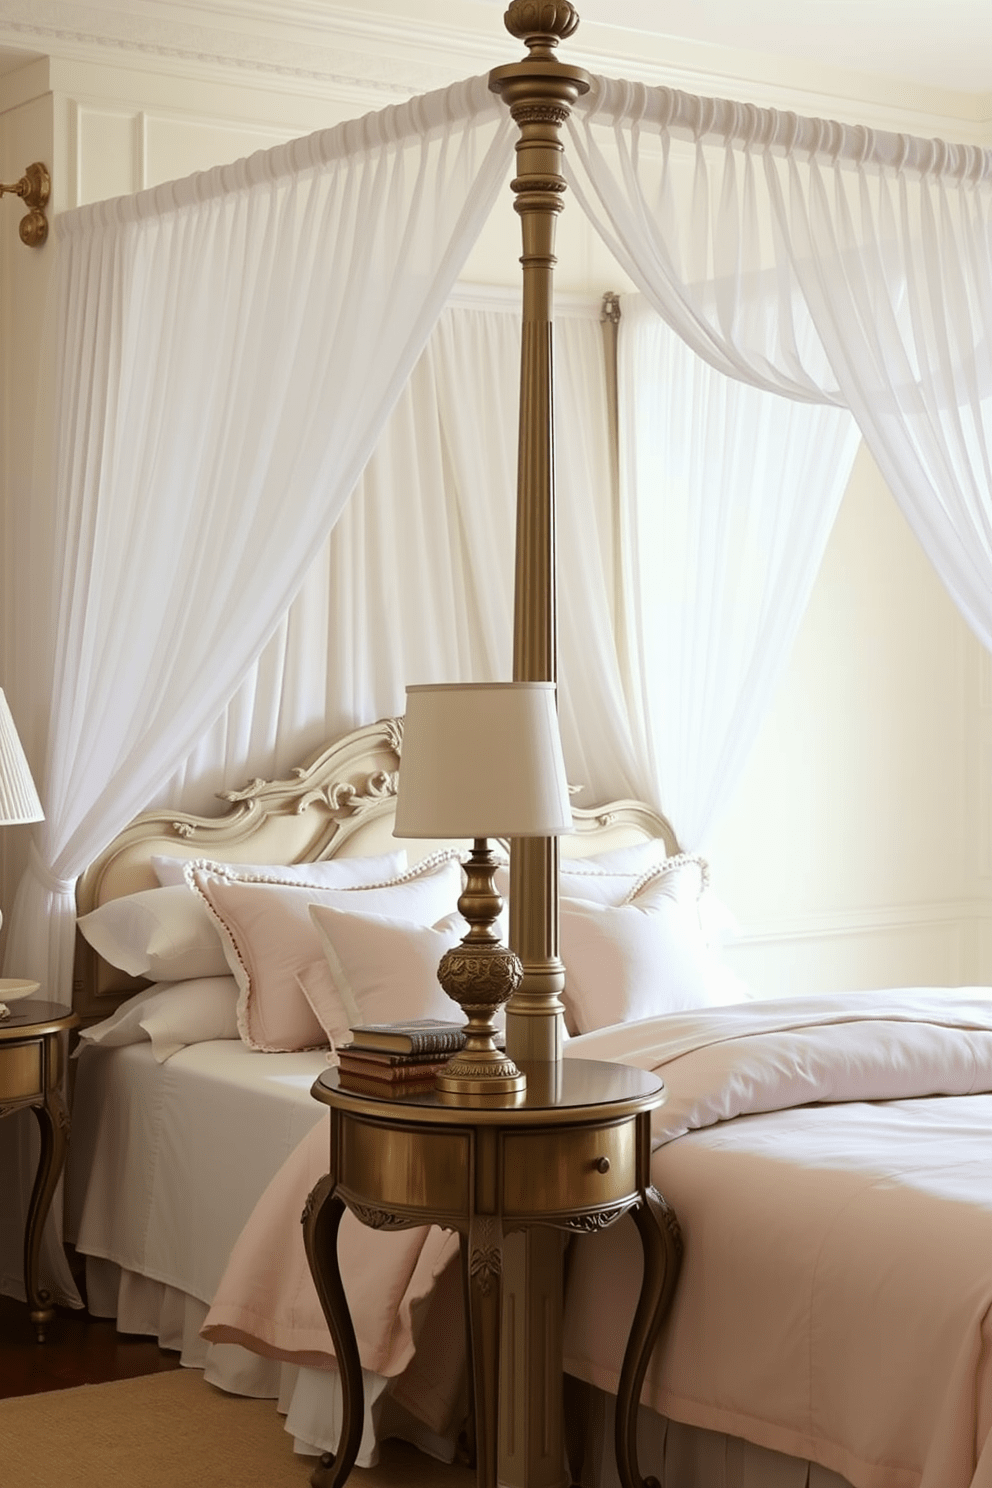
[[541, 24]]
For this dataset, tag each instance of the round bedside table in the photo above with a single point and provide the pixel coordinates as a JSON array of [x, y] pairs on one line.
[[575, 1157], [32, 1065]]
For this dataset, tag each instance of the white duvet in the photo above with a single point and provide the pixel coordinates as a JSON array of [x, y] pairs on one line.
[[830, 1161], [835, 1196]]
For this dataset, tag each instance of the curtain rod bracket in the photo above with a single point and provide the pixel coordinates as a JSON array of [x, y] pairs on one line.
[[611, 307], [34, 188]]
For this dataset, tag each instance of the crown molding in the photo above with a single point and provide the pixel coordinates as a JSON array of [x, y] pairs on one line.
[[348, 62], [389, 50]]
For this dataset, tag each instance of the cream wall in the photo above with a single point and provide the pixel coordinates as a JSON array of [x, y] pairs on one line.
[[858, 849]]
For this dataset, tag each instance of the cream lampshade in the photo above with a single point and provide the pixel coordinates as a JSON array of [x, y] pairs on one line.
[[481, 760], [18, 798]]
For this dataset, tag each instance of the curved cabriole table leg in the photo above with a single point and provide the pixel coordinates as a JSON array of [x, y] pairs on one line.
[[53, 1123], [661, 1241], [321, 1219]]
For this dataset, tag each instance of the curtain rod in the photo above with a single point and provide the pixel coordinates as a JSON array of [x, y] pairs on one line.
[[614, 100]]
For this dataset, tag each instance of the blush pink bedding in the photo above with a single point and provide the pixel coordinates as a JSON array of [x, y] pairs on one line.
[[267, 1300], [830, 1161]]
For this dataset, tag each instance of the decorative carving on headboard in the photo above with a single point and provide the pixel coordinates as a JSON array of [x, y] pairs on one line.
[[329, 798], [354, 799], [316, 812]]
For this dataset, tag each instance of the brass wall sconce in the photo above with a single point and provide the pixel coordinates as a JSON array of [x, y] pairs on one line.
[[34, 188]]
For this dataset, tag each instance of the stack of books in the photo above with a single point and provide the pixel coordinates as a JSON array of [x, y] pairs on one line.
[[391, 1059]]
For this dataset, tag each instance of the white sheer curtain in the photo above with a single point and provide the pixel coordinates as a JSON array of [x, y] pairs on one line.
[[728, 496], [416, 580], [829, 263], [678, 603], [230, 347]]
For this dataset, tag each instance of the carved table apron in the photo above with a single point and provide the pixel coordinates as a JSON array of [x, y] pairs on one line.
[[575, 1157]]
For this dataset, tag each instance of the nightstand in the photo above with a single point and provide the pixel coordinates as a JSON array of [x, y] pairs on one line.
[[32, 1065], [575, 1158]]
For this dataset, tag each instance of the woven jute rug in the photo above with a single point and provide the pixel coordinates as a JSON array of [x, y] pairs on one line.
[[172, 1430]]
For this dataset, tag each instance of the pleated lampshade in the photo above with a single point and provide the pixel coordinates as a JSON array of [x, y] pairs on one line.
[[18, 798]]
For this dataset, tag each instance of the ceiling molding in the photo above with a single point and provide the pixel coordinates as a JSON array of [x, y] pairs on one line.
[[370, 56]]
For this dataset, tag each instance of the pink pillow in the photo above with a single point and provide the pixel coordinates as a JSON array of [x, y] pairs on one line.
[[636, 960], [377, 969], [269, 938]]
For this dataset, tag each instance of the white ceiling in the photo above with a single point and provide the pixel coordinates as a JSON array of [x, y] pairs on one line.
[[940, 43], [887, 59]]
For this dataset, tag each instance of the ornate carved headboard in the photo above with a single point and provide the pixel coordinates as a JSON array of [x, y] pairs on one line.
[[341, 802]]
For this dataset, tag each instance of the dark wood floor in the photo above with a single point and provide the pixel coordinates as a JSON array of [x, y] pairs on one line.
[[78, 1350]]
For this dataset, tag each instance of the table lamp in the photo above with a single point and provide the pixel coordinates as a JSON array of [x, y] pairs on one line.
[[18, 797], [481, 760]]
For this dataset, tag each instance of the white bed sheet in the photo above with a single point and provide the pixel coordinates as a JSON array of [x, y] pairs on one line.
[[166, 1164], [167, 1160]]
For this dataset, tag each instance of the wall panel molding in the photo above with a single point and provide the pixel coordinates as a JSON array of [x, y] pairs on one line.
[[880, 920], [941, 944]]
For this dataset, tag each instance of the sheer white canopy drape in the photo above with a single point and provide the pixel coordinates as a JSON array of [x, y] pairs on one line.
[[415, 581], [828, 263], [728, 497], [679, 602], [229, 349]]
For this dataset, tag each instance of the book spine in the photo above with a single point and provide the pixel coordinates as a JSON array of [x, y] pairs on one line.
[[384, 1088], [435, 1043], [413, 1043], [391, 1073], [381, 1058]]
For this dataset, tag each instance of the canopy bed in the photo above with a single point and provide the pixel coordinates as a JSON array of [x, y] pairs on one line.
[[817, 262], [766, 1102]]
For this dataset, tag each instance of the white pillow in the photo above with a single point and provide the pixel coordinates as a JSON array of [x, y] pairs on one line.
[[164, 934], [331, 873], [631, 961], [378, 969], [608, 878], [172, 1016], [270, 939]]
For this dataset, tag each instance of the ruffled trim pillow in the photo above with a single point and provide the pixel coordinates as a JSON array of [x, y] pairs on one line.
[[270, 940]]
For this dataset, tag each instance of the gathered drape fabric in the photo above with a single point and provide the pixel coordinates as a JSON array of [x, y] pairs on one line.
[[679, 599], [415, 582], [826, 263], [229, 349], [728, 497], [231, 345]]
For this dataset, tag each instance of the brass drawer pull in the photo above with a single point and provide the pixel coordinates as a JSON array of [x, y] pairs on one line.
[[603, 1165]]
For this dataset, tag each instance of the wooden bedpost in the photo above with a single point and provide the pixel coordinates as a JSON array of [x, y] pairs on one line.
[[539, 91]]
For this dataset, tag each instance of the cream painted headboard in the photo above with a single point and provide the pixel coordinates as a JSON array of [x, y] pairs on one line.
[[340, 803]]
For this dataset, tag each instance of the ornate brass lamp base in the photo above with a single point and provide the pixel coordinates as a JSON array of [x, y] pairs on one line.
[[480, 974]]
